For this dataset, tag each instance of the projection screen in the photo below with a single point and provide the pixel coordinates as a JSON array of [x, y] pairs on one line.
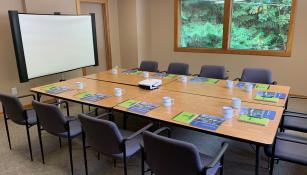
[[50, 44]]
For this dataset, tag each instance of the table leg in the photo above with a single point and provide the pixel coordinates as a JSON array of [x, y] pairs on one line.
[[257, 168], [125, 121]]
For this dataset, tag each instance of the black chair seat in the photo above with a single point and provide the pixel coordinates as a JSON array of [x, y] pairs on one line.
[[206, 159], [32, 120], [74, 126], [289, 151]]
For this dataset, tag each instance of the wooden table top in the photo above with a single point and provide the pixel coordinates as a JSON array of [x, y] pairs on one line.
[[220, 90], [123, 78], [232, 128], [94, 86]]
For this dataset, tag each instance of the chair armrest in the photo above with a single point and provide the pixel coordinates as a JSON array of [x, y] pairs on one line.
[[293, 112], [237, 79], [274, 83], [218, 157], [295, 116], [159, 131], [138, 132], [103, 115], [29, 95], [293, 139], [91, 111]]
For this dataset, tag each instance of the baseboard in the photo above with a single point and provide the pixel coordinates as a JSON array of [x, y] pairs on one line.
[[298, 95]]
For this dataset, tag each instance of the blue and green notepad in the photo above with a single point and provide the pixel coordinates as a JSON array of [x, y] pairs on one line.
[[257, 116], [185, 117], [241, 85], [53, 89], [201, 121], [207, 122], [132, 71], [91, 97], [164, 75], [203, 80], [270, 96], [138, 107]]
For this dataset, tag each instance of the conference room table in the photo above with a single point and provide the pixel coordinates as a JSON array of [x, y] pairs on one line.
[[219, 90], [188, 97], [232, 129], [92, 86], [132, 79]]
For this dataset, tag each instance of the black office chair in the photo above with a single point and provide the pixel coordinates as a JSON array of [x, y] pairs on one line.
[[257, 75], [13, 110], [53, 121], [178, 69], [288, 147], [105, 137], [166, 156], [293, 120], [149, 66], [212, 71]]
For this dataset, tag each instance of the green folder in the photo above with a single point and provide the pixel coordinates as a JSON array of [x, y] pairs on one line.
[[211, 81], [274, 100], [48, 87], [170, 76], [137, 72], [83, 94], [185, 117], [254, 120], [128, 103], [262, 86]]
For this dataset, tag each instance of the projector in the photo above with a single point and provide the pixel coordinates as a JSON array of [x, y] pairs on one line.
[[150, 84]]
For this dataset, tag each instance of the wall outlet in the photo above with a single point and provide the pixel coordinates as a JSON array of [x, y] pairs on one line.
[[14, 91]]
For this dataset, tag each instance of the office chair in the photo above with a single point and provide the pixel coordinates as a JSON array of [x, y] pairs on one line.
[[110, 141], [287, 147], [149, 66], [51, 119], [293, 120], [256, 75], [178, 68], [212, 71], [166, 156], [14, 111]]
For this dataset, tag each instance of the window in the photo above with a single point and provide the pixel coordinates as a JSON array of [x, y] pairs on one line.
[[255, 27]]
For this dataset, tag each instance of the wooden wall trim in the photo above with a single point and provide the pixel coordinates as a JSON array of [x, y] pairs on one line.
[[106, 25], [226, 35]]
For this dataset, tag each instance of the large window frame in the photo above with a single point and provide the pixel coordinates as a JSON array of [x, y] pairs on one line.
[[226, 34]]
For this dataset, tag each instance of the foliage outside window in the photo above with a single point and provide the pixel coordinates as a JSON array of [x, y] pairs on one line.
[[260, 27]]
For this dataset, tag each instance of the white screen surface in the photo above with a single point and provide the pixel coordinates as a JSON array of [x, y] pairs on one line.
[[54, 44]]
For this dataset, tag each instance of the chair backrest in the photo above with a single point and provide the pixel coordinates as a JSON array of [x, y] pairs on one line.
[[178, 157], [178, 68], [102, 135], [150, 66], [256, 75], [212, 71], [13, 108], [50, 117]]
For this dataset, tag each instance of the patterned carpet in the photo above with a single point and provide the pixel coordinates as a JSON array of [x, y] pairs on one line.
[[239, 159]]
